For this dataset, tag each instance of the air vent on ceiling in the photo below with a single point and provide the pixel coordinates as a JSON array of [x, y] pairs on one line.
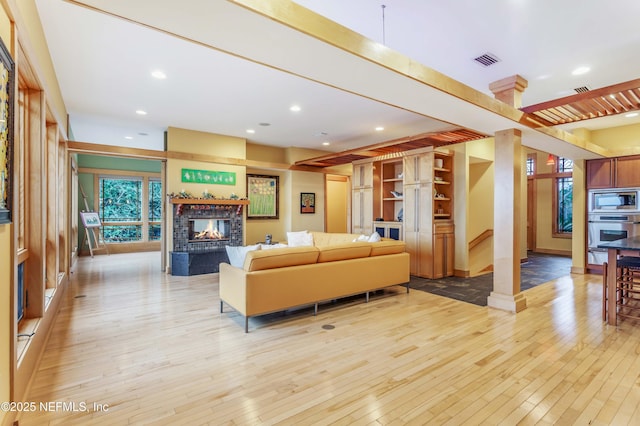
[[582, 89], [487, 59]]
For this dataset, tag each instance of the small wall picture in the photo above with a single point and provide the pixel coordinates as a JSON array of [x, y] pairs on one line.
[[307, 202], [90, 219]]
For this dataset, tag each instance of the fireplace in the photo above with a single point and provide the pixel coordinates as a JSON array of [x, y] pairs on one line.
[[214, 229], [201, 231]]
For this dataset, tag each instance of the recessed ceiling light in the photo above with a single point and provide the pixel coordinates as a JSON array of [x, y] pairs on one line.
[[159, 75], [264, 124], [326, 143], [580, 70], [631, 114], [141, 112], [379, 129], [295, 108], [128, 137], [143, 134], [251, 131], [612, 96]]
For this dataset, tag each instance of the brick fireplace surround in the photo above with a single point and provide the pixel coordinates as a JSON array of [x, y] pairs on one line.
[[191, 257]]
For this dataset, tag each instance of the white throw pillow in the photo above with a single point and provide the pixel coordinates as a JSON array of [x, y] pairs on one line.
[[299, 239], [374, 238], [361, 238], [236, 254], [271, 246]]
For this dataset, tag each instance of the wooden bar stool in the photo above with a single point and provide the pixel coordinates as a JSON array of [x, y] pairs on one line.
[[628, 287]]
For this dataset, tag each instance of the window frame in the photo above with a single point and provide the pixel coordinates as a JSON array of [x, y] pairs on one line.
[[144, 178], [559, 176]]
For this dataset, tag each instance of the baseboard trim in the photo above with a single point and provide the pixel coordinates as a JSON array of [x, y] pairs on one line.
[[553, 252]]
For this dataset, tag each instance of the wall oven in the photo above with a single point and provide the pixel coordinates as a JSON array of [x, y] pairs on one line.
[[604, 228], [614, 200]]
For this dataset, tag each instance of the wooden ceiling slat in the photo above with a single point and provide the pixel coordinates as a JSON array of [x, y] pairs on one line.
[[553, 112], [590, 104], [392, 147], [604, 91], [630, 98], [544, 114], [625, 100]]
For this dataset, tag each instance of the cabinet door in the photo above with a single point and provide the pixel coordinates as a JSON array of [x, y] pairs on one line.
[[600, 173], [438, 255], [362, 175], [627, 171], [449, 248], [418, 230], [418, 168], [362, 211]]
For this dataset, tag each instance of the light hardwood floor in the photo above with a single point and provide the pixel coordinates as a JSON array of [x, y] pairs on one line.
[[155, 349]]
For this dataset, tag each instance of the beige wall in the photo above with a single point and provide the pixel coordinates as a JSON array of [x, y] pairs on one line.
[[256, 229], [307, 182], [265, 153], [623, 140]]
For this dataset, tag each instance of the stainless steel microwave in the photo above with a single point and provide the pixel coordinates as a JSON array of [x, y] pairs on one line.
[[609, 200]]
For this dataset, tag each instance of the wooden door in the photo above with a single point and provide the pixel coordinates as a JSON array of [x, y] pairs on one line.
[[531, 214], [336, 203]]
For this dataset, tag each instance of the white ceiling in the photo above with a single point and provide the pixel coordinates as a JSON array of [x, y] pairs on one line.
[[226, 66]]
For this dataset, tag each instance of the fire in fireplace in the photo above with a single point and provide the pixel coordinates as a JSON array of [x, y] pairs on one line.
[[214, 229]]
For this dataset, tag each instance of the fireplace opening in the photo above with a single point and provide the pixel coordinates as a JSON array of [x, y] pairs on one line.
[[210, 229]]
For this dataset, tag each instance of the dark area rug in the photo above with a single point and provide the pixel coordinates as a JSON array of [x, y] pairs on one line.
[[539, 269]]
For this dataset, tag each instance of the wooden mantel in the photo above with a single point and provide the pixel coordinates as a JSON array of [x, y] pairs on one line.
[[209, 201]]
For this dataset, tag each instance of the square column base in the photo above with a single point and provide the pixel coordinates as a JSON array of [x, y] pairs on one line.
[[506, 302]]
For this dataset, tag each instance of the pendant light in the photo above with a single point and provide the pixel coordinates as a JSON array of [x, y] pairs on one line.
[[551, 160]]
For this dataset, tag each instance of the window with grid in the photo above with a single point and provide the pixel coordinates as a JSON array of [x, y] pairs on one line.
[[130, 208], [563, 197]]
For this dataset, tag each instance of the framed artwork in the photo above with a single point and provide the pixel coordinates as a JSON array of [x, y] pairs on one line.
[[90, 219], [263, 195], [307, 202], [6, 133]]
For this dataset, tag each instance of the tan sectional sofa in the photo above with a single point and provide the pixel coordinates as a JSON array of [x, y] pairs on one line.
[[334, 267]]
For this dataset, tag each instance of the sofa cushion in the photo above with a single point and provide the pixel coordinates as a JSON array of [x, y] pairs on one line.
[[332, 238], [279, 258], [343, 251], [384, 247]]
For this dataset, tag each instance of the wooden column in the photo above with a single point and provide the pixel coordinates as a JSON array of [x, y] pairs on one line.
[[507, 223], [509, 90], [508, 210]]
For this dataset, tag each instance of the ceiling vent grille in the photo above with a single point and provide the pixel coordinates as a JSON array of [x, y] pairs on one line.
[[581, 89], [487, 59]]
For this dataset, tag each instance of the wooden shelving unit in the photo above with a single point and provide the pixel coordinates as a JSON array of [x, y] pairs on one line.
[[443, 189], [391, 183]]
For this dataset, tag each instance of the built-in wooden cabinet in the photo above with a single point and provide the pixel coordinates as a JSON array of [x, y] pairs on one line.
[[417, 186], [443, 249], [600, 173], [620, 172], [428, 194], [627, 172]]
